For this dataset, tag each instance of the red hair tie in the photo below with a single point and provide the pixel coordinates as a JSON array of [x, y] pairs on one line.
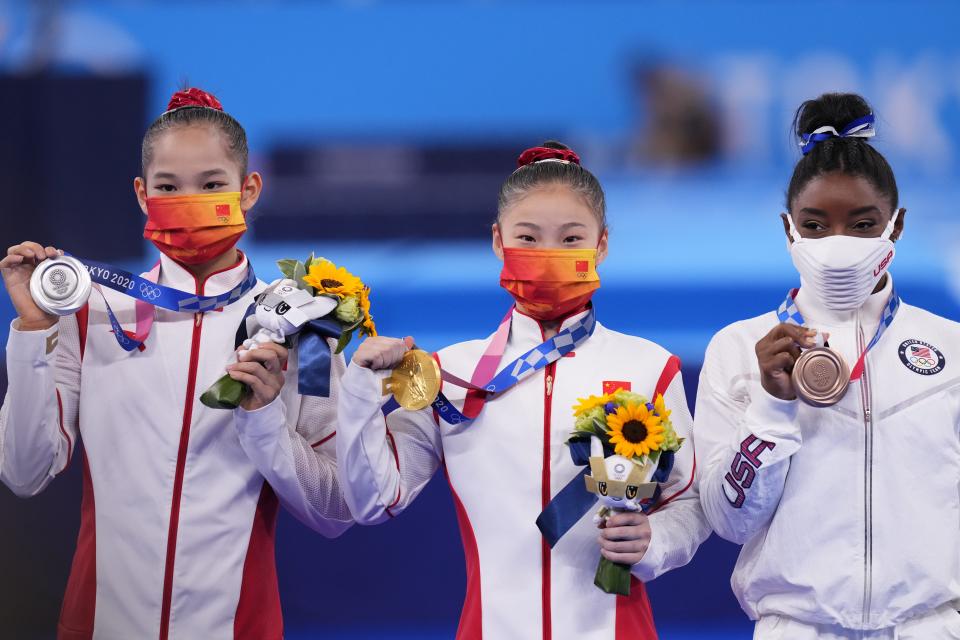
[[194, 97], [536, 154]]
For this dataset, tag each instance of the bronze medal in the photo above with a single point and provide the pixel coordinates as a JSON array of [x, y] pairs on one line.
[[820, 377], [415, 383]]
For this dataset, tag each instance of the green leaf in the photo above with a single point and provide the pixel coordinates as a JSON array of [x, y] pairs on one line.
[[345, 338], [288, 268], [298, 273], [613, 577], [309, 261], [225, 393], [600, 429]]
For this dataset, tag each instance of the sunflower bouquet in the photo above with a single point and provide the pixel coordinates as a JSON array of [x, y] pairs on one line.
[[314, 301], [632, 442], [321, 278], [628, 423]]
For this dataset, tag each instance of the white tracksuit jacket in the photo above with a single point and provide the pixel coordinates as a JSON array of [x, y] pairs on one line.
[[504, 467], [848, 515], [179, 500]]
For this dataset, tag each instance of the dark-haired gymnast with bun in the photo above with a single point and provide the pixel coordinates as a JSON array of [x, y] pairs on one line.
[[505, 454], [179, 501], [827, 428]]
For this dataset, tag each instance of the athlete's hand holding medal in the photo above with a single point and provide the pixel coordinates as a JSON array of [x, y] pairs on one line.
[[796, 361], [414, 379], [43, 284]]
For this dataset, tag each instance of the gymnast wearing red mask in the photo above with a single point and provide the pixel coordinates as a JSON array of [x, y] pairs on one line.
[[528, 575], [179, 500]]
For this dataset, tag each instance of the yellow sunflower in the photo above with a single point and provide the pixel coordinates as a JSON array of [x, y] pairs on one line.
[[585, 404], [634, 431], [660, 407], [326, 277], [368, 326]]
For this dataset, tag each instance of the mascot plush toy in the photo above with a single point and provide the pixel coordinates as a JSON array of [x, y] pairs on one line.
[[620, 483]]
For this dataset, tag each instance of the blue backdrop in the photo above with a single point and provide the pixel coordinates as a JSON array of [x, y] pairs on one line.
[[692, 248]]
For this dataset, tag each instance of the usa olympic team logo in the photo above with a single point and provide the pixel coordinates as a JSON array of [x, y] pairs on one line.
[[921, 357]]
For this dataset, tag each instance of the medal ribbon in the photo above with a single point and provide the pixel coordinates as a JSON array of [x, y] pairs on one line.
[[789, 313], [148, 294], [529, 363]]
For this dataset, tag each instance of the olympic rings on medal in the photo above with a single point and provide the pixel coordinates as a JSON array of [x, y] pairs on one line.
[[148, 292], [58, 277]]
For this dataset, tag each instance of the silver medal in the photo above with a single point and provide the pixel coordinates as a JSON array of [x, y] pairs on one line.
[[60, 286]]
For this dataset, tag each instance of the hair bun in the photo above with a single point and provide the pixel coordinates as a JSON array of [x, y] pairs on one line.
[[835, 110], [194, 97], [551, 150]]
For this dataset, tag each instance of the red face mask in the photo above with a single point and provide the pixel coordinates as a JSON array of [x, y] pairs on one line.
[[550, 283], [197, 228]]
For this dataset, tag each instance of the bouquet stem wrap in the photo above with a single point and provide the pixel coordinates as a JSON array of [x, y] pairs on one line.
[[613, 577]]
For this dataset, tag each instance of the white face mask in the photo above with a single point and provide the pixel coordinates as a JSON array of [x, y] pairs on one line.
[[842, 271]]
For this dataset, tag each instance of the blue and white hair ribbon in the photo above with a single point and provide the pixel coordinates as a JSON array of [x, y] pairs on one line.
[[859, 128]]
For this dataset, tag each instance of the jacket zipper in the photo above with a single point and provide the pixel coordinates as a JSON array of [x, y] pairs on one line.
[[178, 478], [866, 402], [550, 373]]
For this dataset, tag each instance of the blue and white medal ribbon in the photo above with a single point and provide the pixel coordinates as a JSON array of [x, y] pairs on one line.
[[526, 365], [529, 363], [157, 295], [789, 313]]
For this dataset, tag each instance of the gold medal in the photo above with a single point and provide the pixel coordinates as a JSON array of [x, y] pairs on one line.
[[415, 382], [820, 376]]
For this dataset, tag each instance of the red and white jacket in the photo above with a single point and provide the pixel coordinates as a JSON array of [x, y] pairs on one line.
[[505, 466], [179, 501]]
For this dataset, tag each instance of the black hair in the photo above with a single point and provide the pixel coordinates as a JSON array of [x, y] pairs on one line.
[[232, 131], [850, 156], [537, 174]]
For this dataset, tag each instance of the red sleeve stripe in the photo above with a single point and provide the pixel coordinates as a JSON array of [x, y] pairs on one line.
[[83, 317], [329, 437], [670, 371]]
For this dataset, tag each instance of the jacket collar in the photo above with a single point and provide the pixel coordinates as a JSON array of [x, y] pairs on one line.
[[869, 312], [526, 330], [172, 274]]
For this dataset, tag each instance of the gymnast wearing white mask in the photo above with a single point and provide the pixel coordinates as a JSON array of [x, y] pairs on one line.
[[827, 428]]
